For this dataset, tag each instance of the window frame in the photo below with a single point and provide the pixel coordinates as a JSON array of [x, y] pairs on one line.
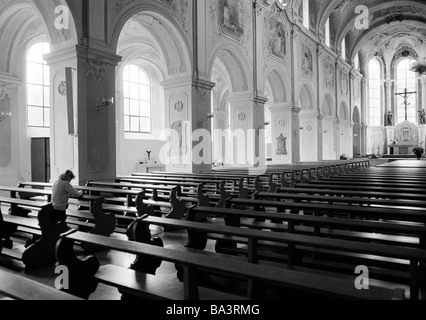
[[375, 120], [126, 96], [36, 130]]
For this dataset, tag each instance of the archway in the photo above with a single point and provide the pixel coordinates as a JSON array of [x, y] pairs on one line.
[[154, 49], [328, 126], [25, 25], [231, 106], [278, 117], [345, 135], [308, 126], [356, 132]]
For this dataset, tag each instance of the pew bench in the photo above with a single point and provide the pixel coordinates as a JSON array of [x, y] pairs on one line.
[[334, 210], [354, 200], [192, 263], [361, 251], [19, 288]]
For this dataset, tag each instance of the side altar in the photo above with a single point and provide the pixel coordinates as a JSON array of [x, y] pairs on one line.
[[404, 137]]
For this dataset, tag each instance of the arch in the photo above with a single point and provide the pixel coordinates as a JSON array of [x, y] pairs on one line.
[[163, 32], [328, 106], [306, 98], [236, 65], [344, 112], [278, 81], [22, 21], [395, 30], [356, 116]]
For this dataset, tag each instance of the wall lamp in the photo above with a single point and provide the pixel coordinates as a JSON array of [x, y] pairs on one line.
[[4, 115], [209, 117], [105, 103]]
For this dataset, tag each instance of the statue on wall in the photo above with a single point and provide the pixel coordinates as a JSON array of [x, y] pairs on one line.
[[422, 117], [389, 119]]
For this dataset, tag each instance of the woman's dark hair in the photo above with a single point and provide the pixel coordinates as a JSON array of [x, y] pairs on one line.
[[68, 176]]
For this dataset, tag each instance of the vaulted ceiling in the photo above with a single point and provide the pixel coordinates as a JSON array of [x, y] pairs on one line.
[[392, 25]]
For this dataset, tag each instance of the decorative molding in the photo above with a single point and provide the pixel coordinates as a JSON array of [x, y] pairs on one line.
[[62, 88], [4, 91], [179, 106], [242, 116], [97, 69]]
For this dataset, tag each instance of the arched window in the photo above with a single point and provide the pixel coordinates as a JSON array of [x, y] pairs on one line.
[[38, 86], [306, 14], [344, 49], [137, 100], [327, 33], [356, 61], [406, 79], [375, 106]]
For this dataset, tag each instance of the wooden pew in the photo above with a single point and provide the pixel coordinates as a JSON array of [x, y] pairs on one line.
[[20, 288], [298, 243], [350, 200], [361, 187], [127, 280], [176, 206], [351, 193], [334, 209], [104, 224], [41, 253]]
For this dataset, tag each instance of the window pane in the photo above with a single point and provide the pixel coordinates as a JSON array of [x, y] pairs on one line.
[[134, 91], [145, 93], [126, 106], [35, 117], [46, 97], [126, 124], [134, 124], [134, 108], [34, 73], [35, 95], [126, 89], [134, 73], [46, 75], [145, 109], [46, 117], [145, 124]]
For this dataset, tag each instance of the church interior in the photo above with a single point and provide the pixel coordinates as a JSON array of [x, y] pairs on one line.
[[226, 149]]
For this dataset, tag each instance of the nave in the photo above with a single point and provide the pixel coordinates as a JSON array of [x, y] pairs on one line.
[[300, 234]]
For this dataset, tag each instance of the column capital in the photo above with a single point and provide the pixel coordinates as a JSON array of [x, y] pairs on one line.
[[8, 80], [203, 84], [259, 99], [296, 109]]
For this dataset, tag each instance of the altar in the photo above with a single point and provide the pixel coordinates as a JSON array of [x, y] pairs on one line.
[[395, 149]]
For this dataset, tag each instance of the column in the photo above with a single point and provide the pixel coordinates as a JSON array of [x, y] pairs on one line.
[[295, 132], [281, 116], [320, 138], [88, 147], [247, 138], [188, 118]]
